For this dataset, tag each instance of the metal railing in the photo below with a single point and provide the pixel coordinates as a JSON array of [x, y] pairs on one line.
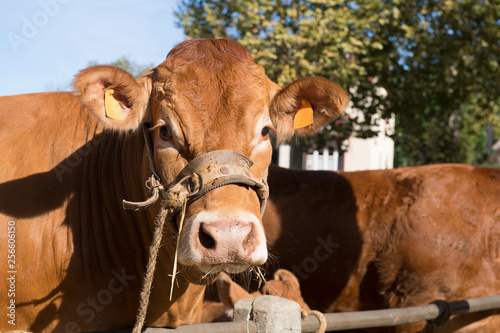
[[438, 312]]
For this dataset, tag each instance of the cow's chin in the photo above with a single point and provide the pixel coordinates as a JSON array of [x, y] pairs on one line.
[[207, 274], [233, 268]]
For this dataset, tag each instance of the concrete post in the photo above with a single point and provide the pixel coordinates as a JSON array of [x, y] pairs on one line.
[[271, 314]]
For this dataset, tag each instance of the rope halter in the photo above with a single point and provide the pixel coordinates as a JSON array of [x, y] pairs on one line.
[[200, 176]]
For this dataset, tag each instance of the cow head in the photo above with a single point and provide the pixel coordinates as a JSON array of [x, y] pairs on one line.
[[209, 95]]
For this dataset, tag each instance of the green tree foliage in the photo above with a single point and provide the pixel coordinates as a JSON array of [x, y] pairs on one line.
[[437, 60], [446, 87]]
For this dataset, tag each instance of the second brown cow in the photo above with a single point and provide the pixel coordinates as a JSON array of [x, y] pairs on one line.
[[390, 238]]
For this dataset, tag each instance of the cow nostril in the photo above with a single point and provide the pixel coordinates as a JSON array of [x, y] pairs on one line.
[[205, 239]]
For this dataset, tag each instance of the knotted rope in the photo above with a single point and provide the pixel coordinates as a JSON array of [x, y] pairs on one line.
[[321, 319], [150, 269], [173, 199]]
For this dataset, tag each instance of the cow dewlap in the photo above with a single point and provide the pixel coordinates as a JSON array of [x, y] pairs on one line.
[[303, 117], [111, 105]]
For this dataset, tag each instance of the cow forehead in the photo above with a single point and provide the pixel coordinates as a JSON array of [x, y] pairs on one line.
[[212, 82], [218, 90], [210, 72], [219, 105], [216, 117]]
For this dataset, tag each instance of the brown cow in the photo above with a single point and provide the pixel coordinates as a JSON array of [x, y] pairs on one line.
[[389, 238], [284, 284], [77, 258]]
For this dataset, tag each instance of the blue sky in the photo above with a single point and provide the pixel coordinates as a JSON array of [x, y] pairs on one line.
[[45, 42]]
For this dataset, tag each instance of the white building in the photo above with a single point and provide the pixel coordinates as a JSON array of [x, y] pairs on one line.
[[374, 153]]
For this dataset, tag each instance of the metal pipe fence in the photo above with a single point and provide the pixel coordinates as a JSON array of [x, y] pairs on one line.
[[438, 311]]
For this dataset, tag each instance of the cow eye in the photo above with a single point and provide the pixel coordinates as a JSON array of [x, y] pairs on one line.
[[165, 132], [265, 131]]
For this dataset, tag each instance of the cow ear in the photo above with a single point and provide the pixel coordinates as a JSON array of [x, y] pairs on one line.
[[305, 105], [286, 276], [114, 96]]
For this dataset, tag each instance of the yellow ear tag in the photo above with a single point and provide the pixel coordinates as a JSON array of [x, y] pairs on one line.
[[112, 107], [303, 117]]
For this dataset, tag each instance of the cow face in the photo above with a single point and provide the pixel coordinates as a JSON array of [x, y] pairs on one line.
[[210, 95]]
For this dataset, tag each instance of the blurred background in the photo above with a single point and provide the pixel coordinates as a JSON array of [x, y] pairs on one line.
[[423, 76]]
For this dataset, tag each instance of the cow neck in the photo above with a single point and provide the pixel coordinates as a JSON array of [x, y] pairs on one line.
[[113, 171]]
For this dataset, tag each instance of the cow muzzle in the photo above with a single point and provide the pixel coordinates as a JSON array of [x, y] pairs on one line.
[[216, 242]]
